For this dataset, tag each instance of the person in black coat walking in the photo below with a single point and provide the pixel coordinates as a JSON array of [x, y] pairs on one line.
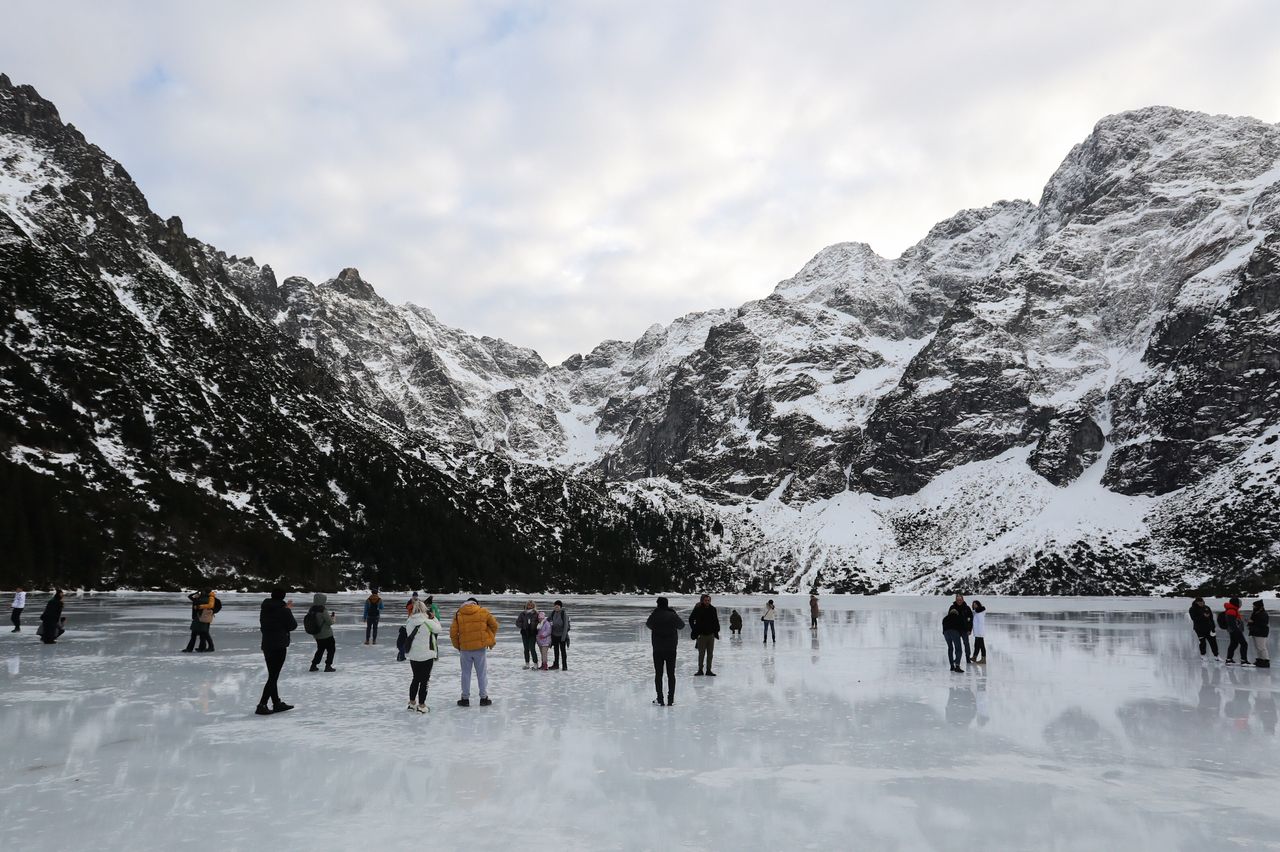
[[664, 625], [276, 622], [1259, 630], [704, 624], [51, 619], [1202, 623], [952, 626]]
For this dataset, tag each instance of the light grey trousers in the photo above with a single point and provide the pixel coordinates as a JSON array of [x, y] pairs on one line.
[[1260, 647], [476, 660]]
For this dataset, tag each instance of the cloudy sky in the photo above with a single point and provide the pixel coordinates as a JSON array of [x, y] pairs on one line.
[[564, 172]]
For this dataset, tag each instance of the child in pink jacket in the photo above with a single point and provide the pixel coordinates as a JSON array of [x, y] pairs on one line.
[[544, 637]]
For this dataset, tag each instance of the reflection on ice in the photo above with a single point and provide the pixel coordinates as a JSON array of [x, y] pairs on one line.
[[1096, 725]]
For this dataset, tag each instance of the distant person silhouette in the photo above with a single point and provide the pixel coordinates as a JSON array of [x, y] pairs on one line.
[[276, 622], [704, 624], [664, 625]]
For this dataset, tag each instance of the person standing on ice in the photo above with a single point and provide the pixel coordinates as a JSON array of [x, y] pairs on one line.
[[1259, 630], [19, 604], [770, 618], [473, 632], [814, 611], [408, 607], [423, 651], [322, 622], [1229, 620], [203, 607], [966, 614], [527, 624], [372, 612], [276, 622], [1202, 623], [704, 625], [543, 637], [51, 619], [560, 636], [979, 632], [952, 626], [664, 625]]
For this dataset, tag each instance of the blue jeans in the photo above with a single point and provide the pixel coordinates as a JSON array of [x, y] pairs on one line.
[[769, 628], [953, 647], [476, 660]]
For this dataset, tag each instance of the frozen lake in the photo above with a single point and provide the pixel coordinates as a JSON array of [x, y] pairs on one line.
[[1095, 726]]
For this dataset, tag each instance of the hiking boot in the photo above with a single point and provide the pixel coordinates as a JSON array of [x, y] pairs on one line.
[[281, 707], [698, 673], [330, 669], [555, 667], [464, 702], [263, 710], [314, 668], [710, 673], [484, 701]]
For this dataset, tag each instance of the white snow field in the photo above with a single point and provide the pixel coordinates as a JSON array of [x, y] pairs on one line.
[[1096, 725]]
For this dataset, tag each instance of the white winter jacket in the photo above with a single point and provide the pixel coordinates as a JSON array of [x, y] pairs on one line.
[[425, 646], [19, 600], [769, 614], [980, 624]]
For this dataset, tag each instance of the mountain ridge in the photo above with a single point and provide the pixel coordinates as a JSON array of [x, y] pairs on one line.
[[1111, 346]]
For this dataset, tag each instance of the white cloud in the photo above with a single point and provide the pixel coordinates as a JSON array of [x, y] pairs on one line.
[[560, 173]]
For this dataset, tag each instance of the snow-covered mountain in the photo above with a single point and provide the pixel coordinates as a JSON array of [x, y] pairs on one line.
[[1080, 395]]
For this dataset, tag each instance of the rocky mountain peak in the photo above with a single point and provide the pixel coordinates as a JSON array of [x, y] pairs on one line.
[[349, 283]]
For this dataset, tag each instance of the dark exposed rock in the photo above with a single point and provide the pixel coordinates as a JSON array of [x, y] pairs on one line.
[[1070, 443]]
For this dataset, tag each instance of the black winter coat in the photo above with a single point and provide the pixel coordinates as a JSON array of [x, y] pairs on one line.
[[665, 625], [966, 614], [1259, 623], [276, 621], [52, 614], [1202, 620], [953, 620], [704, 621]]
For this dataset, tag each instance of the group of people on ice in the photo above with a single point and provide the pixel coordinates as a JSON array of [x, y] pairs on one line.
[[961, 622], [52, 622], [1229, 619]]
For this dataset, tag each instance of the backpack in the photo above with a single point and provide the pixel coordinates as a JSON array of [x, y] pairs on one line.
[[311, 621], [404, 641], [1224, 621], [217, 605]]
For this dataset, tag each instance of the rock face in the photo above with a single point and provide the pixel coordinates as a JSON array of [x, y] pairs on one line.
[[170, 415], [1075, 396]]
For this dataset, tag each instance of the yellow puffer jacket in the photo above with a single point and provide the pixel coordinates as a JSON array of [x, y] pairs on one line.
[[473, 628]]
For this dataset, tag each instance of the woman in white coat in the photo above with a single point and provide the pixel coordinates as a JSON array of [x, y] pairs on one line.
[[769, 617], [979, 632], [423, 627]]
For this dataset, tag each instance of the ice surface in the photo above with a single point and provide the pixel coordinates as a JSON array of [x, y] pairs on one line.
[[1095, 726]]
